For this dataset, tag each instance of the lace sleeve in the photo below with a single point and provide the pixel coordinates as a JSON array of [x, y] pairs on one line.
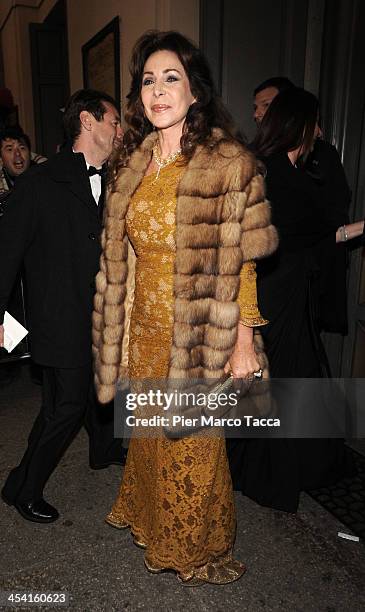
[[247, 297]]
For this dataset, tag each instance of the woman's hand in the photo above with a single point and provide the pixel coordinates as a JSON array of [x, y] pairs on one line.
[[243, 361], [349, 231]]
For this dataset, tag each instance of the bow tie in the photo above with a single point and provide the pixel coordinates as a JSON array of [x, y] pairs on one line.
[[92, 170]]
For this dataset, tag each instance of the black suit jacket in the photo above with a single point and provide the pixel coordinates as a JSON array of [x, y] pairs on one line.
[[52, 224]]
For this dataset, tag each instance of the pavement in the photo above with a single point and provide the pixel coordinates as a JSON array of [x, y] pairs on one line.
[[295, 562]]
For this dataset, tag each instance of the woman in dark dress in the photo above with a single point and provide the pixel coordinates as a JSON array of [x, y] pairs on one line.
[[274, 471]]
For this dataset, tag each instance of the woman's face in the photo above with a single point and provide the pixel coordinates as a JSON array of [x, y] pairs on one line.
[[165, 92]]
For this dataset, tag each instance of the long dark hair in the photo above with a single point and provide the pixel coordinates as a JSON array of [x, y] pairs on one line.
[[288, 123], [207, 112]]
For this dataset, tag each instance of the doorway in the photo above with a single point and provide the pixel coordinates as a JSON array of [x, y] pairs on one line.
[[50, 76]]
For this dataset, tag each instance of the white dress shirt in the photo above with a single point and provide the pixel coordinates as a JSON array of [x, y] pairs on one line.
[[95, 183]]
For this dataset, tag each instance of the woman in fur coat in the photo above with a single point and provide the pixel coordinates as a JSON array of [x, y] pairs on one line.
[[175, 299]]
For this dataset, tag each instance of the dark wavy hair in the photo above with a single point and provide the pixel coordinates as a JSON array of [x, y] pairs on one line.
[[288, 123], [207, 112], [14, 132]]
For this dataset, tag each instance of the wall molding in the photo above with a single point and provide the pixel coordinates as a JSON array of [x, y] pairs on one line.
[[6, 11]]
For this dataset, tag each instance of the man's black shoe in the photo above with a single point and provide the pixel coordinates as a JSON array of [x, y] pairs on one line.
[[36, 511], [6, 499]]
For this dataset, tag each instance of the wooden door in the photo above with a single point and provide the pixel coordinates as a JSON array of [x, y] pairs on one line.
[[50, 84], [248, 42]]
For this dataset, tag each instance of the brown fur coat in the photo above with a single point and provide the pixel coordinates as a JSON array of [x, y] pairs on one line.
[[222, 220]]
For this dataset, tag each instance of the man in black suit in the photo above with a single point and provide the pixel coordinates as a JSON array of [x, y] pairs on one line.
[[14, 160], [52, 224]]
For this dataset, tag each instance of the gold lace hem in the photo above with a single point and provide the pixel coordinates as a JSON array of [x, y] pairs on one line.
[[221, 568]]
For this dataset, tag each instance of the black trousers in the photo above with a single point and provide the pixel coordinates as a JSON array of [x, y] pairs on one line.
[[68, 402]]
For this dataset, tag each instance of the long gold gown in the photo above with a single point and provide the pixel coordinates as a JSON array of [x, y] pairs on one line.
[[176, 495]]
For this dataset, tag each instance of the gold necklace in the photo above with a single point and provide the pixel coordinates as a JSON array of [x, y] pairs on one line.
[[162, 163]]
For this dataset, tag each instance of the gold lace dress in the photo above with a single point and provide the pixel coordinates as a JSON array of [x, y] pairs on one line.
[[176, 495]]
